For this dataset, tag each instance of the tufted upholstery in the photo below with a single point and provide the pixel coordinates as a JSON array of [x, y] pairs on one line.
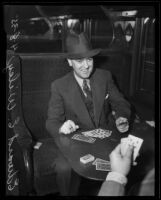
[[38, 71]]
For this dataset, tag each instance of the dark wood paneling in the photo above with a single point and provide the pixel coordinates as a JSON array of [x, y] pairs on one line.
[[148, 81], [119, 64], [143, 76]]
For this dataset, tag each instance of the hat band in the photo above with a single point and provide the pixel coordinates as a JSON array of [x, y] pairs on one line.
[[86, 54]]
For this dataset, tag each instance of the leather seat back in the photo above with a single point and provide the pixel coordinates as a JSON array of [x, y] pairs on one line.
[[38, 71]]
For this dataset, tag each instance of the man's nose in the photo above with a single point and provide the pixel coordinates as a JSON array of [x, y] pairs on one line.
[[86, 64]]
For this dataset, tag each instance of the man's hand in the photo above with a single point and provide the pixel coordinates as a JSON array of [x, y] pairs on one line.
[[120, 163], [68, 127], [122, 124]]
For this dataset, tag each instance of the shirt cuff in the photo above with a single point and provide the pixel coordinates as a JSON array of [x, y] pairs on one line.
[[117, 177]]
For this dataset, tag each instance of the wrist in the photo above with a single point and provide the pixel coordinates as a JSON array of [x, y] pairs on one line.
[[117, 177]]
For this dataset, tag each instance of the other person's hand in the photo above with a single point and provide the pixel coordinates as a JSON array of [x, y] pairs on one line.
[[68, 127], [120, 163], [122, 124]]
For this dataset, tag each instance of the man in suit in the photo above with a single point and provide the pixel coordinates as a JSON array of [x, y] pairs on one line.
[[83, 98]]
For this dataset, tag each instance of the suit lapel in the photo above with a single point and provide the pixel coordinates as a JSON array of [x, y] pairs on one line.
[[77, 101], [98, 90]]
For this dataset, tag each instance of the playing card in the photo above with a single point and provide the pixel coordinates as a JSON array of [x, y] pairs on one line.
[[83, 138], [38, 144], [136, 142], [92, 133], [100, 160], [103, 166], [151, 123], [98, 133], [133, 141], [104, 133]]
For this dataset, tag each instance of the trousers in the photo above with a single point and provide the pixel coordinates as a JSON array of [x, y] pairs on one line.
[[48, 159], [67, 180]]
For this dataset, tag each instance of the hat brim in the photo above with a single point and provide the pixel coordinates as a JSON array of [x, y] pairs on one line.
[[87, 54]]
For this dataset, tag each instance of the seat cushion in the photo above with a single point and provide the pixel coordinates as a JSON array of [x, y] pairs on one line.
[[44, 157], [44, 167]]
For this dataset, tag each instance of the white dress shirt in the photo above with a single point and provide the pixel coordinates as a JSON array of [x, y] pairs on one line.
[[80, 82]]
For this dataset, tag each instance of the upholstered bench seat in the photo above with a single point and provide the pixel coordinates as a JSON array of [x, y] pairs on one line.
[[44, 165]]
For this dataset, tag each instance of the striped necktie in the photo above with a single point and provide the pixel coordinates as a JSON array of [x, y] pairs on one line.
[[88, 99]]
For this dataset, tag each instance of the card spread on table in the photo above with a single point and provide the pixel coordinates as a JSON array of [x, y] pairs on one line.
[[100, 160], [103, 166], [98, 133], [131, 140], [83, 138]]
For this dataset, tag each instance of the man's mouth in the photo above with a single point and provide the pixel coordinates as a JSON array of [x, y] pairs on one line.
[[84, 71]]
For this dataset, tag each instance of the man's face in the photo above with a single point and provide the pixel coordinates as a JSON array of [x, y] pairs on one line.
[[82, 67]]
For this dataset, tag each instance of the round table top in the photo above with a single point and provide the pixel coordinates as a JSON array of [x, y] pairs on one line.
[[101, 148]]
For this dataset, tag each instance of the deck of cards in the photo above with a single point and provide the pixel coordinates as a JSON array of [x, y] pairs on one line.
[[102, 165], [83, 138], [133, 141], [98, 133], [86, 159]]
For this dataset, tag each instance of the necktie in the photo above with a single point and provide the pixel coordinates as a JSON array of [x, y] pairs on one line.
[[88, 99]]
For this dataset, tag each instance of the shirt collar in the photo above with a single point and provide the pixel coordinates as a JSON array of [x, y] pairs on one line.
[[80, 80]]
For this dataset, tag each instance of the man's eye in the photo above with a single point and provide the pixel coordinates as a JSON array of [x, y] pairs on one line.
[[79, 61], [90, 59]]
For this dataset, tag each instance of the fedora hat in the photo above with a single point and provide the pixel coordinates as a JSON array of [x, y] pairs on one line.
[[78, 46]]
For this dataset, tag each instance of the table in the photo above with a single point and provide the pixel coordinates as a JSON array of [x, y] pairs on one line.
[[101, 148]]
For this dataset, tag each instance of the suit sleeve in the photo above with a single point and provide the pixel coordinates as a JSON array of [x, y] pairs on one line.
[[117, 101], [111, 188], [56, 113]]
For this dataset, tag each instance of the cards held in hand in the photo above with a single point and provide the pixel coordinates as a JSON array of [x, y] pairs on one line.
[[83, 138], [134, 141]]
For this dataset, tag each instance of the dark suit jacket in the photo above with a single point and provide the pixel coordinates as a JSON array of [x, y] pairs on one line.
[[66, 102]]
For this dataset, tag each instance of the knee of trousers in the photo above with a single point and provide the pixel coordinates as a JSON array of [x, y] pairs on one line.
[[63, 166]]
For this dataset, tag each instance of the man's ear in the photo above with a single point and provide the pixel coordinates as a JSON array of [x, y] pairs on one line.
[[69, 62]]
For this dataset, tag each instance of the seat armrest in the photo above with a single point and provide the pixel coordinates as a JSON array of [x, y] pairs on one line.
[[26, 167], [23, 149], [27, 153]]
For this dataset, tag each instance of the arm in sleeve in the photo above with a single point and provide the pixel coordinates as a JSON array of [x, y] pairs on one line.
[[56, 112], [117, 101], [111, 188]]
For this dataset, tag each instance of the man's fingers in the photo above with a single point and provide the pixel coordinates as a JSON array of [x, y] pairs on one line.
[[72, 126], [118, 148], [76, 126], [123, 129], [121, 120], [116, 151], [129, 151], [66, 131]]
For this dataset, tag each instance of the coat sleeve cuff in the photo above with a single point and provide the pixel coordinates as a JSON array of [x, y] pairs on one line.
[[117, 177]]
